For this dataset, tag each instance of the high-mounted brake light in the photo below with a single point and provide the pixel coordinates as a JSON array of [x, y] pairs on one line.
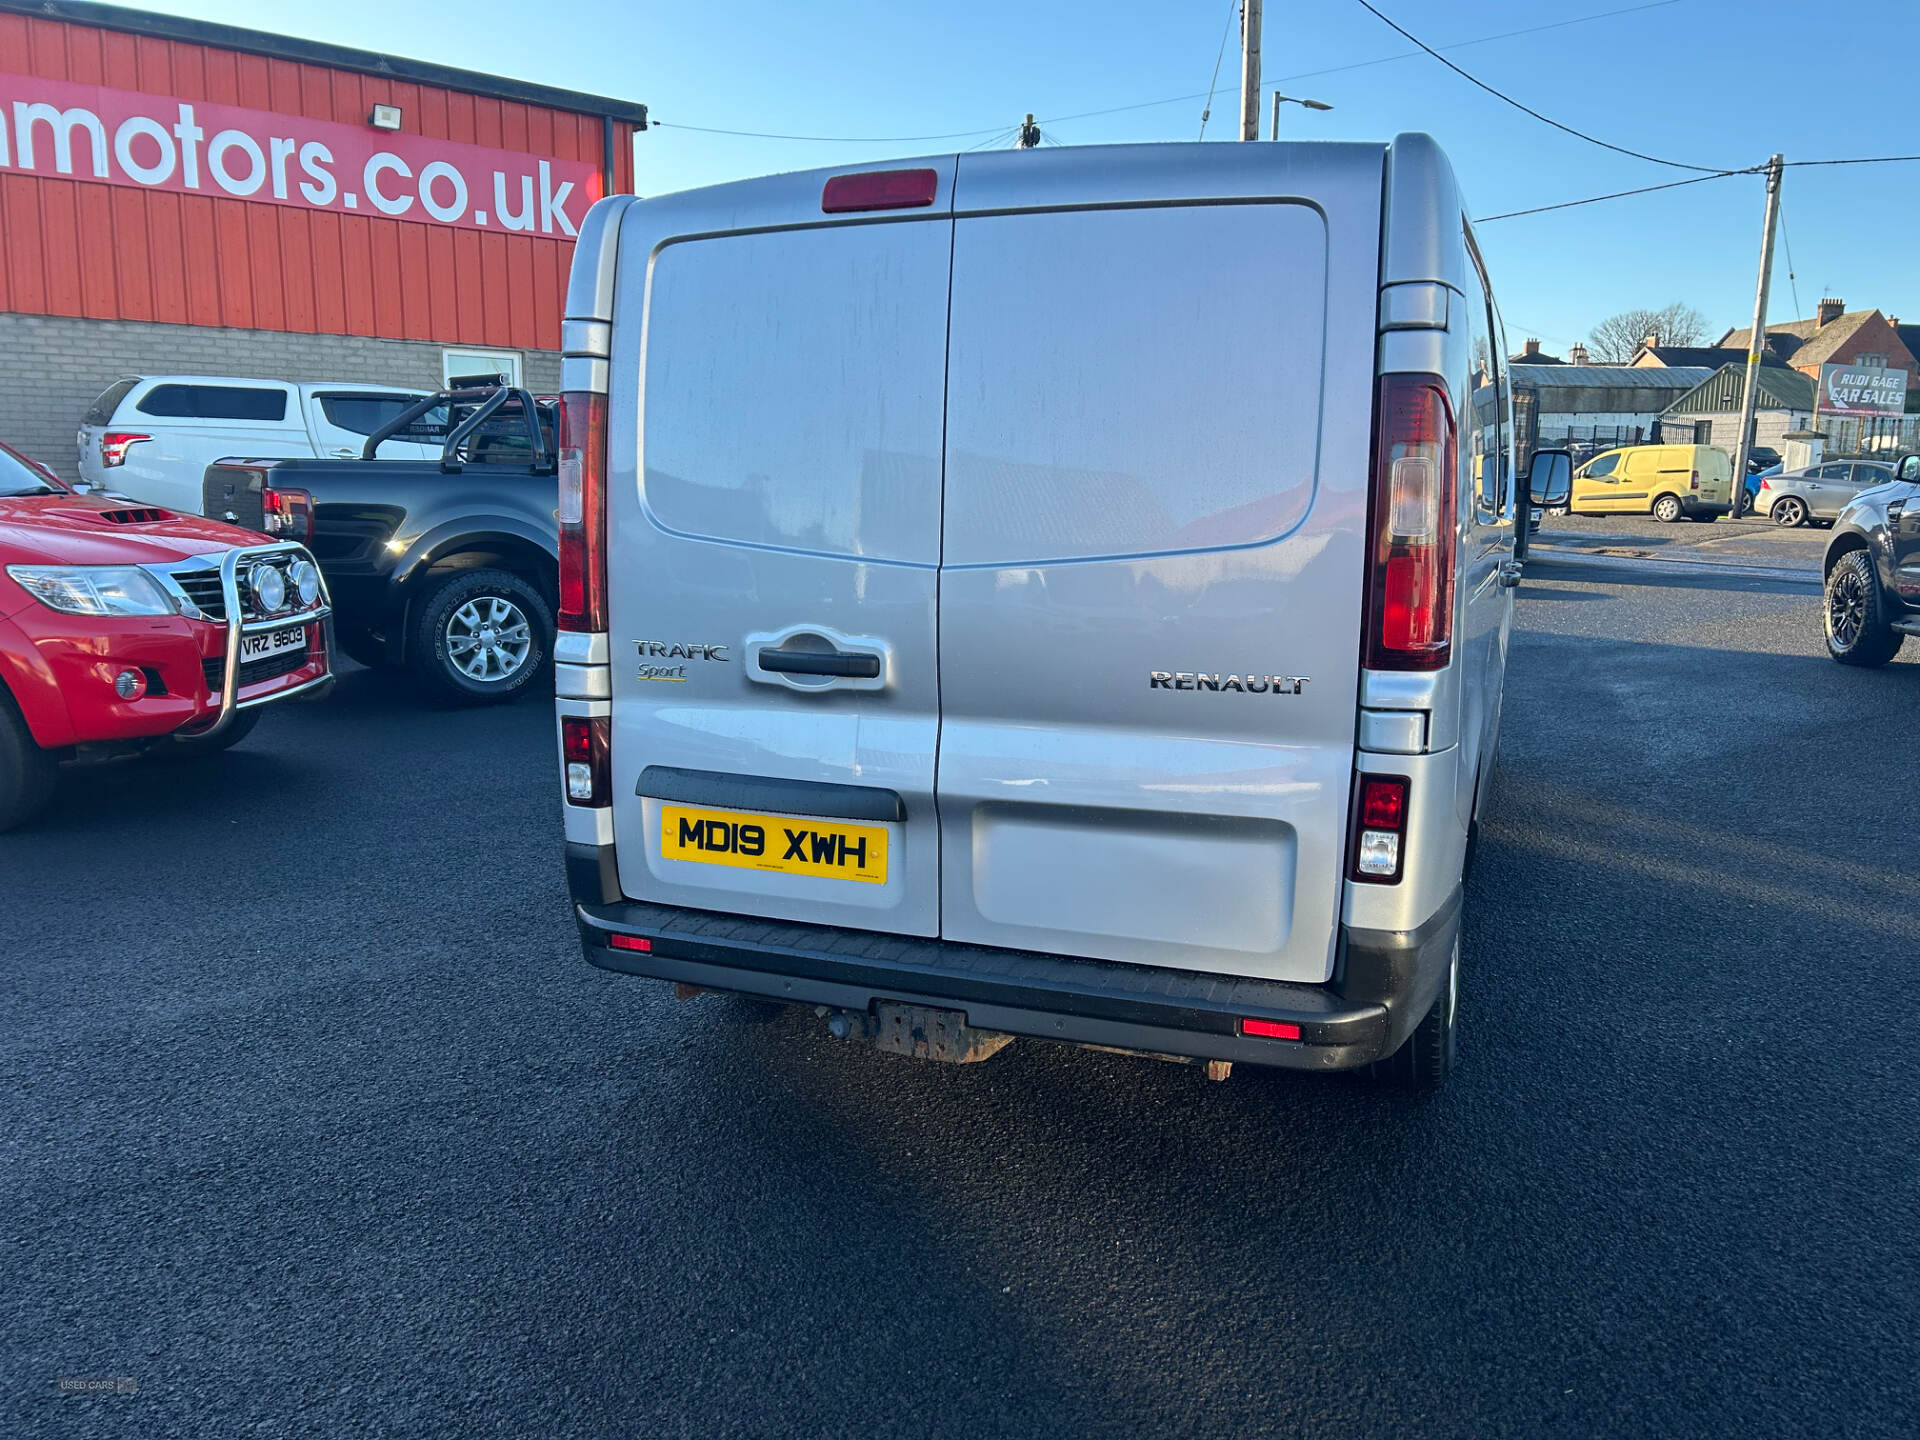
[[880, 190], [1410, 564], [584, 749], [286, 514], [1380, 829], [583, 511], [115, 444]]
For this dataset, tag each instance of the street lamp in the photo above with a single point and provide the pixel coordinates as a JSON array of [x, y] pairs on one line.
[[1279, 100]]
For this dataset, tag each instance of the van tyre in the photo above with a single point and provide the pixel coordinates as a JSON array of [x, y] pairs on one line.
[[1789, 512], [1858, 630], [26, 771], [482, 637], [1667, 509], [1422, 1064]]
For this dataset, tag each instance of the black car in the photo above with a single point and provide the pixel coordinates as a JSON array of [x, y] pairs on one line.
[[1873, 571], [446, 567]]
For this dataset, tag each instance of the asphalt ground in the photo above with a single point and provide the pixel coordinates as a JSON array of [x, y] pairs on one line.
[[313, 1121]]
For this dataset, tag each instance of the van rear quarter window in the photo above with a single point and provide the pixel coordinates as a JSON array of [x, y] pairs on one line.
[[1133, 381], [793, 388]]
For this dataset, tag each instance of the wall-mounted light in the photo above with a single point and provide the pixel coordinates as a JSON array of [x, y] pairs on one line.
[[385, 117]]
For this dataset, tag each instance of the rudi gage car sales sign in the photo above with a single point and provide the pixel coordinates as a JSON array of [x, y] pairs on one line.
[[123, 137]]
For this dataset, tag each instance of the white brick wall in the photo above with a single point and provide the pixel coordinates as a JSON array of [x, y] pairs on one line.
[[52, 368]]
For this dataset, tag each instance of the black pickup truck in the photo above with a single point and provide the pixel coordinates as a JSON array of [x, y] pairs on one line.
[[1873, 570], [448, 567]]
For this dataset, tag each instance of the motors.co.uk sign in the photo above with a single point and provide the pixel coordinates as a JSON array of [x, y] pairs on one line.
[[122, 137], [1858, 390]]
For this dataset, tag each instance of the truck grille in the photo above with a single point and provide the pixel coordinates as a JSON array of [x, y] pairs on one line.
[[253, 673], [203, 588]]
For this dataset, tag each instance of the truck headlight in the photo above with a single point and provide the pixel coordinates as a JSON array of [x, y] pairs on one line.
[[305, 576], [94, 589]]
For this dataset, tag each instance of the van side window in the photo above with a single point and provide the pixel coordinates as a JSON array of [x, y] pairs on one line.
[[214, 402], [1604, 466], [1489, 396]]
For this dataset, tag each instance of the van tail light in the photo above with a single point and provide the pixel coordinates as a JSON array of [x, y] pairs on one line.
[[115, 444], [879, 190], [583, 511], [1410, 562], [1379, 829], [286, 514], [584, 748], [1696, 479]]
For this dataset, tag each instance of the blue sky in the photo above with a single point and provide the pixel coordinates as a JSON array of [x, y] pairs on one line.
[[1670, 80]]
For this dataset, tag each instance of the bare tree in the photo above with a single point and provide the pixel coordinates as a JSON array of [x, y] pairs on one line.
[[1616, 338]]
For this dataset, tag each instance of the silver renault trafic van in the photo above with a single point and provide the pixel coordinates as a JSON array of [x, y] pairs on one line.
[[1056, 593]]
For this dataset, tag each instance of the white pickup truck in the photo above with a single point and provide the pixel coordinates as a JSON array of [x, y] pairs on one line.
[[152, 437]]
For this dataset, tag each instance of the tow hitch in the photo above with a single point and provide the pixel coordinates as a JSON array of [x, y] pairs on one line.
[[920, 1031]]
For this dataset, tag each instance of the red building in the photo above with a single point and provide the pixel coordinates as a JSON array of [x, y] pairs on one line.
[[184, 197]]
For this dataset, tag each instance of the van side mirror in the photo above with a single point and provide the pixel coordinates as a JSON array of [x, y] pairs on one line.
[[1908, 468], [1550, 477]]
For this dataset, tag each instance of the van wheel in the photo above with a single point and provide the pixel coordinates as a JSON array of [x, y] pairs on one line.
[[1421, 1065], [1667, 509], [1856, 614], [482, 637], [26, 771], [1789, 512]]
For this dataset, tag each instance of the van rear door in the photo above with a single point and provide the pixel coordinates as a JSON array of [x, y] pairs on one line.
[[773, 548], [1160, 397]]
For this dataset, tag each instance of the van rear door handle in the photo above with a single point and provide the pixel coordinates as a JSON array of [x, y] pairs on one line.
[[819, 662]]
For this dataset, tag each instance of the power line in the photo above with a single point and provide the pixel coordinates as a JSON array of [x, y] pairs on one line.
[[1176, 99], [1859, 160], [1526, 109], [1792, 282], [821, 139], [1620, 194], [1233, 7]]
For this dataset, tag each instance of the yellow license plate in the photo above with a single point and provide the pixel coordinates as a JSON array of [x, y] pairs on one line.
[[783, 844]]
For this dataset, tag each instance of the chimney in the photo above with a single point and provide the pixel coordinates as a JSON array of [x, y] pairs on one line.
[[1577, 355], [1830, 311], [1532, 349], [1652, 341]]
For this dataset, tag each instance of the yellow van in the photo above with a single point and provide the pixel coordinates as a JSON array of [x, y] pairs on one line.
[[1666, 481]]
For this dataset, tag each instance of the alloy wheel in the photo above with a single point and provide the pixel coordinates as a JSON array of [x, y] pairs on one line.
[[488, 639], [1846, 609]]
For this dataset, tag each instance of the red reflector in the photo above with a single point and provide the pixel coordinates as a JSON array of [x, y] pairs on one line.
[[631, 942], [1383, 802], [880, 190], [1270, 1029]]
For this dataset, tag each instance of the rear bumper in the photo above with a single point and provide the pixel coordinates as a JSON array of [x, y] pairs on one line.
[[1383, 982], [1691, 505]]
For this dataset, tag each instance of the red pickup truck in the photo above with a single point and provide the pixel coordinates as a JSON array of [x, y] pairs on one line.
[[124, 627]]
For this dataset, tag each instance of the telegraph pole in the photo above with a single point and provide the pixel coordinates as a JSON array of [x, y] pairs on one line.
[[1249, 69], [1757, 338]]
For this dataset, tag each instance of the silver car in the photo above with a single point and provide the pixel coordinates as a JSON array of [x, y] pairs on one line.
[[1057, 593], [1819, 492]]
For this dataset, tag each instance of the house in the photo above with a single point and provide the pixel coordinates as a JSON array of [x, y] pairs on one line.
[[1532, 355], [1836, 336], [1652, 354], [1592, 406]]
